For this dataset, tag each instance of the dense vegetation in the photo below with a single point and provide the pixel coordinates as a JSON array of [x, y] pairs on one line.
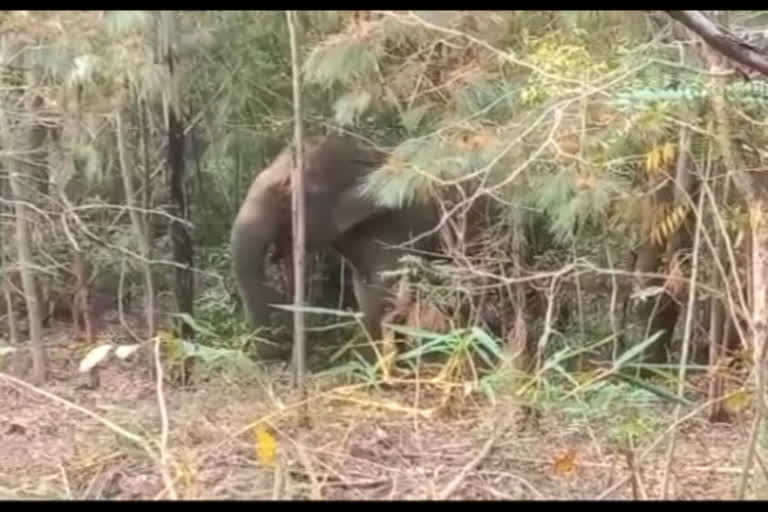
[[620, 153]]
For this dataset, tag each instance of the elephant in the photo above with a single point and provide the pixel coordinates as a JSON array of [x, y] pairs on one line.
[[371, 238]]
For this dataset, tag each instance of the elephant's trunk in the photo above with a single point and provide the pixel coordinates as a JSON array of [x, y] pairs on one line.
[[253, 232]]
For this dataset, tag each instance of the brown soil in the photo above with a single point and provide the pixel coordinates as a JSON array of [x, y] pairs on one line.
[[361, 444]]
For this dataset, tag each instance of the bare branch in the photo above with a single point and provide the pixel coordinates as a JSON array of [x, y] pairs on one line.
[[723, 40]]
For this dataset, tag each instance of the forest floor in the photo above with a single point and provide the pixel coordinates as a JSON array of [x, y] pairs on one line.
[[361, 444]]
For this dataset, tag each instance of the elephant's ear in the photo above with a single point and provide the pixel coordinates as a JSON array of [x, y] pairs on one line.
[[352, 209]]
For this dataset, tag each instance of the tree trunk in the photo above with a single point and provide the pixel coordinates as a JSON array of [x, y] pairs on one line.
[[662, 314], [298, 213], [181, 240]]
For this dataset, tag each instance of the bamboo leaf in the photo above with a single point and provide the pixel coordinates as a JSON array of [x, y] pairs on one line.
[[636, 350]]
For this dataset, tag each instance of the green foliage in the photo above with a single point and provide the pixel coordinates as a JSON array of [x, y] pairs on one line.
[[563, 59], [572, 201], [344, 60], [413, 119], [495, 97], [676, 92], [407, 176], [449, 107], [351, 106], [462, 343]]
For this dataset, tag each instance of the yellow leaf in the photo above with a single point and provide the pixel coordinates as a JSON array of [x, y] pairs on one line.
[[737, 401], [677, 216], [668, 151], [656, 159], [565, 463], [655, 236], [670, 225], [266, 445], [649, 162]]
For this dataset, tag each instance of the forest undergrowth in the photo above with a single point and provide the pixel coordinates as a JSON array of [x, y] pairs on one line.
[[594, 329], [235, 431]]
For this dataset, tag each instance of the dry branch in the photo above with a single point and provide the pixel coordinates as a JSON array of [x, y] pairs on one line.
[[723, 40]]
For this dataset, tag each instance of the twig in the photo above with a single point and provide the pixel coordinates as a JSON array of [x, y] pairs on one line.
[[66, 403], [65, 480], [277, 487], [528, 485], [316, 490], [682, 162], [456, 482], [167, 480], [696, 410]]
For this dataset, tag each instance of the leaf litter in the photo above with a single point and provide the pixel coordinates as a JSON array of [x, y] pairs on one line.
[[230, 439]]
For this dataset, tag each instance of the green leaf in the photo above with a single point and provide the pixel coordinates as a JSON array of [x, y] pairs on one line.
[[316, 310], [656, 390], [417, 333], [194, 324], [211, 355], [488, 343], [437, 345], [636, 350]]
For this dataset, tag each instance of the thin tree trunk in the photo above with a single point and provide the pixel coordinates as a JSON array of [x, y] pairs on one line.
[[23, 137], [13, 328], [24, 254], [138, 231], [298, 214], [180, 238], [146, 196], [752, 190]]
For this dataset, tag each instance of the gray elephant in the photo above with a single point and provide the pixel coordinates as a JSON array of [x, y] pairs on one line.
[[369, 237]]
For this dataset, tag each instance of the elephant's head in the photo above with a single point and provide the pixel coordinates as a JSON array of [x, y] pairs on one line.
[[333, 167]]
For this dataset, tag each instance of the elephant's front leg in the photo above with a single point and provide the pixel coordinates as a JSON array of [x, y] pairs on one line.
[[372, 298]]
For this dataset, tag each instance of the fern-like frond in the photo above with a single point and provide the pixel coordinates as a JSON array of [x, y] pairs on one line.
[[414, 118], [341, 59], [351, 106], [408, 175], [494, 95], [641, 96]]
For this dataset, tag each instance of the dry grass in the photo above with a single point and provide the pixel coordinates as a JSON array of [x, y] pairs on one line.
[[361, 445]]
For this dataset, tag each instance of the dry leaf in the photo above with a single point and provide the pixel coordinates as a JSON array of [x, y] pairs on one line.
[[94, 357], [124, 351], [565, 463]]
